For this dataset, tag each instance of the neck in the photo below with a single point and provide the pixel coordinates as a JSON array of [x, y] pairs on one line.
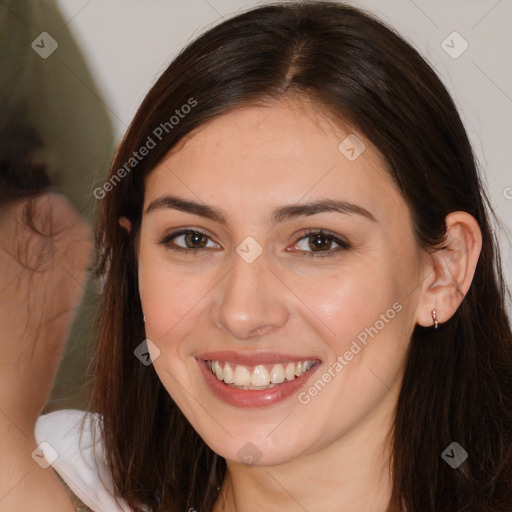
[[352, 473]]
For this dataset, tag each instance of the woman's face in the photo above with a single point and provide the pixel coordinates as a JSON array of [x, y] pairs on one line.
[[297, 249]]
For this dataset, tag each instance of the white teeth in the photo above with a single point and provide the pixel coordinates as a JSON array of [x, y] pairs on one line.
[[277, 374], [242, 376], [289, 371], [228, 374], [260, 377], [218, 370]]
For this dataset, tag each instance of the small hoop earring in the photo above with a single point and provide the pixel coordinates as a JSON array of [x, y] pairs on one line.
[[434, 318], [144, 318]]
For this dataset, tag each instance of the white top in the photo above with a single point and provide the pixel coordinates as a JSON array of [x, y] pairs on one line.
[[71, 453]]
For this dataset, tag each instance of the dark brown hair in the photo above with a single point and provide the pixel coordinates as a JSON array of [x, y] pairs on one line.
[[458, 379], [21, 176]]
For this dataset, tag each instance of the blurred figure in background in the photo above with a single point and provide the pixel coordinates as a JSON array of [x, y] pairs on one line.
[[56, 142], [51, 109]]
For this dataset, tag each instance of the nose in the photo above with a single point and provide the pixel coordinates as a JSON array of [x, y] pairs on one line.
[[249, 302]]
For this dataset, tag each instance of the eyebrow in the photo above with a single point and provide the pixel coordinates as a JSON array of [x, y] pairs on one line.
[[278, 215]]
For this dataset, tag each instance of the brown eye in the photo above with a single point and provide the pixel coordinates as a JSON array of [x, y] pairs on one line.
[[318, 243], [194, 240], [188, 240]]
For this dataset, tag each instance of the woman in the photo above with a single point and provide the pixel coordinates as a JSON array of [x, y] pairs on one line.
[[295, 234]]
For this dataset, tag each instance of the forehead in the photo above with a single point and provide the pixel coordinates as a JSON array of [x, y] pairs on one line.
[[274, 154]]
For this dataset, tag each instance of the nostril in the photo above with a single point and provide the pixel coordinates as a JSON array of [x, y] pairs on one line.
[[260, 331]]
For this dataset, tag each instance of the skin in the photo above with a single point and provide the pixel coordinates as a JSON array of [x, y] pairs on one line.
[[334, 449], [41, 284]]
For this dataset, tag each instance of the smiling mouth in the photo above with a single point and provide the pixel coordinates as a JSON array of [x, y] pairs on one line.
[[258, 377]]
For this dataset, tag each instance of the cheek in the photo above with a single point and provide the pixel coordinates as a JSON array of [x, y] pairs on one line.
[[169, 299], [168, 296], [350, 300]]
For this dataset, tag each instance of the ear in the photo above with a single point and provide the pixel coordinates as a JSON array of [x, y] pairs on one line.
[[451, 269], [125, 223]]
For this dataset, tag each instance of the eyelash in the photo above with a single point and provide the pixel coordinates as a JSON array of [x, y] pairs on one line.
[[342, 245]]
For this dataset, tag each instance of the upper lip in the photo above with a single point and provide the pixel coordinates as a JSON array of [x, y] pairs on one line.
[[253, 358]]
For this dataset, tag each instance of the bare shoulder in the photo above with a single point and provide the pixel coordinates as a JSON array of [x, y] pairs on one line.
[[26, 487]]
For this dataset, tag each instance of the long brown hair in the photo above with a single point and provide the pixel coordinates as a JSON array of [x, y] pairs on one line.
[[458, 379]]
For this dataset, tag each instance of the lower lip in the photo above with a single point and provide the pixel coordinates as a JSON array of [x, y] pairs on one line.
[[254, 398]]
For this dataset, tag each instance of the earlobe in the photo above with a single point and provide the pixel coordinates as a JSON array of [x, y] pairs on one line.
[[126, 224], [452, 269]]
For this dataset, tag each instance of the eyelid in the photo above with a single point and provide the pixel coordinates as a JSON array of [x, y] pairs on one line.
[[323, 232], [343, 245], [185, 231]]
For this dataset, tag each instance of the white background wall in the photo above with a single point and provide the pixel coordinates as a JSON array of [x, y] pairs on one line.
[[128, 43]]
